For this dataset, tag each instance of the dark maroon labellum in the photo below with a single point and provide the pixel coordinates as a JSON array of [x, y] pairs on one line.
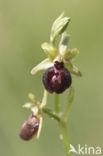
[[29, 128], [57, 78]]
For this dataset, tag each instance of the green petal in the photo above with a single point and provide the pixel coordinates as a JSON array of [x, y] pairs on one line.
[[63, 43], [45, 64]]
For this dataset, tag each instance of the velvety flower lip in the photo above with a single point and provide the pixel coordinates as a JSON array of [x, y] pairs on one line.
[[57, 78], [29, 128]]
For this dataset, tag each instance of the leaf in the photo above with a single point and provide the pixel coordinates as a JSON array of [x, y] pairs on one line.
[[59, 26], [49, 50], [73, 69], [45, 64]]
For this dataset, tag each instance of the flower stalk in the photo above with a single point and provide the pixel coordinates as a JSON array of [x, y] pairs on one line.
[[56, 103], [63, 122], [64, 137]]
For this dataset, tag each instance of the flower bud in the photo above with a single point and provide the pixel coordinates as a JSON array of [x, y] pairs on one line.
[[29, 128]]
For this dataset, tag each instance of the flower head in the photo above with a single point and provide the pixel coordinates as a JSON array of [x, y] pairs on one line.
[[61, 53]]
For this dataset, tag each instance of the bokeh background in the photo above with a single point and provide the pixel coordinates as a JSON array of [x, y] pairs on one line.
[[24, 25]]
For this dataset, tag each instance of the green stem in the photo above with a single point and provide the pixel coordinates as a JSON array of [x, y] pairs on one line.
[[64, 137], [56, 103], [51, 113], [63, 129], [61, 119], [62, 126]]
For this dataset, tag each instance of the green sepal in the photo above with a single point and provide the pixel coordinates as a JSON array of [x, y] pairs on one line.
[[45, 64], [49, 50]]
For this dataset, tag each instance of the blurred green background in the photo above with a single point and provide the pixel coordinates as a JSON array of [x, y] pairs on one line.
[[24, 25]]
